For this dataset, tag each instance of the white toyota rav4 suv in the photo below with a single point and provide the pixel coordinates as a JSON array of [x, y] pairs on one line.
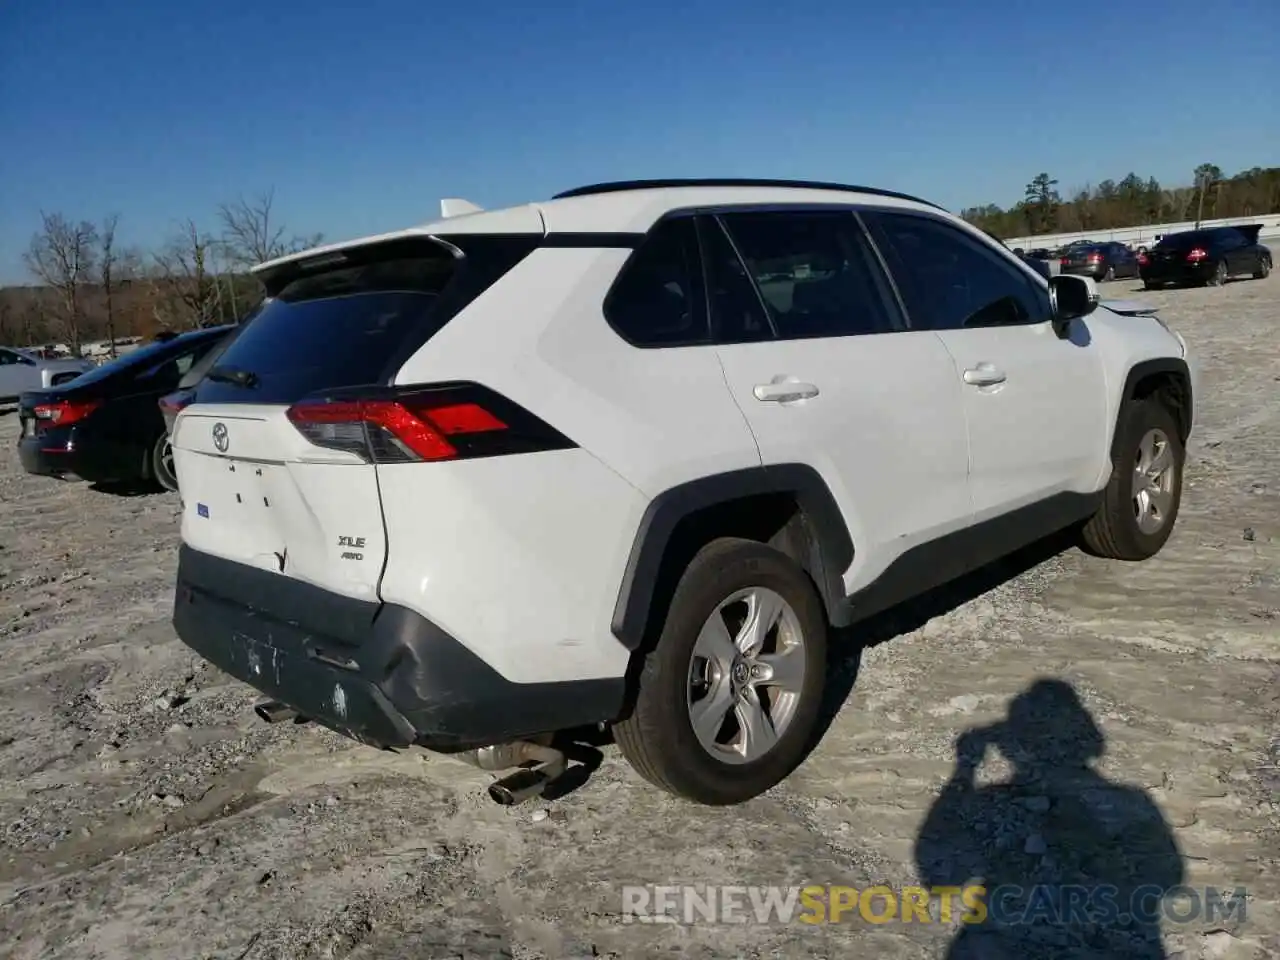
[[623, 458]]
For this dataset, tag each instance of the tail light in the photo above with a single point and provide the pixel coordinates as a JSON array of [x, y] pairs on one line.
[[1065, 261], [174, 403], [1198, 254], [1095, 258], [1143, 259], [456, 421], [63, 412]]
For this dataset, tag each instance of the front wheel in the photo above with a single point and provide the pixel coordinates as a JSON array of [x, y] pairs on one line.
[[1140, 503], [162, 464], [728, 698]]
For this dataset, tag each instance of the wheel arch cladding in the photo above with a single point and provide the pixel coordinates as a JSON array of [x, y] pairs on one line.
[[787, 506], [1166, 380]]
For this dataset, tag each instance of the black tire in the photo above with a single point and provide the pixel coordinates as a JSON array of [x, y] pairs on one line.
[[1220, 274], [658, 738], [1151, 285], [160, 465], [1264, 268], [1109, 275], [1114, 531]]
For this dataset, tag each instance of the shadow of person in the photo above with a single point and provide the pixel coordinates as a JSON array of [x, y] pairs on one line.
[[1073, 864]]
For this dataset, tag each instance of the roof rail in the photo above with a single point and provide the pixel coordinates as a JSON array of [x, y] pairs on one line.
[[619, 186]]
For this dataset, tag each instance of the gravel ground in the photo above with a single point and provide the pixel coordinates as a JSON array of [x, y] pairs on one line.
[[146, 813]]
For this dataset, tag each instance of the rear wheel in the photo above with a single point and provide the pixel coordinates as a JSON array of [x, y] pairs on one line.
[[1264, 268], [1219, 274], [728, 698], [162, 464], [1140, 503], [1110, 274], [1151, 285]]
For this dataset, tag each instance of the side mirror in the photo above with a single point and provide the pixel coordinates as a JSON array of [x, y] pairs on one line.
[[1071, 298]]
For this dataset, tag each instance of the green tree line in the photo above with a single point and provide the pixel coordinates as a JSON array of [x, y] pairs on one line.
[[1133, 201]]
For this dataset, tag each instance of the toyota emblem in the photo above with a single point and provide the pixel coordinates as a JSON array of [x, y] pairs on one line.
[[220, 437]]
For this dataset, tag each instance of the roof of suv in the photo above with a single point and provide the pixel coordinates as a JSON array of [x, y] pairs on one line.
[[631, 206]]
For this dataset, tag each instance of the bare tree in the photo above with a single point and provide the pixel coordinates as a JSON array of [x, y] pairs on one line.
[[186, 277], [251, 236], [108, 274], [62, 257]]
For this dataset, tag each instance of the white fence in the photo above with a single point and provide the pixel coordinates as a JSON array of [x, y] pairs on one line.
[[1146, 235]]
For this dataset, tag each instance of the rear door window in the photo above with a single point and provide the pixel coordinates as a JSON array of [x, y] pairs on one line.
[[814, 271], [338, 329]]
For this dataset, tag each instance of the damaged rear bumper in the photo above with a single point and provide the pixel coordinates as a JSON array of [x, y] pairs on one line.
[[380, 673]]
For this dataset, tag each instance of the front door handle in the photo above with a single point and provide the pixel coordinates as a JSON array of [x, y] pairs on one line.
[[784, 392], [984, 375]]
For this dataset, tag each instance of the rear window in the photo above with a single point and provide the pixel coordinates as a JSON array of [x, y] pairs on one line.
[[142, 360], [337, 329], [1177, 241]]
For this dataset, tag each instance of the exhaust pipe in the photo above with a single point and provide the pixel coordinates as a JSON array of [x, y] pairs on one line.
[[273, 711], [539, 765]]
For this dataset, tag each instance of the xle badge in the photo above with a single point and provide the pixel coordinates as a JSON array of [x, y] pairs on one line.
[[356, 542]]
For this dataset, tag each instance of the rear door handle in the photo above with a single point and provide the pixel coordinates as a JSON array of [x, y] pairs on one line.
[[784, 392], [984, 375]]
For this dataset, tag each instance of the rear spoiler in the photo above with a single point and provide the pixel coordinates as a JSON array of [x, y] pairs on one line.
[[1250, 230], [457, 207]]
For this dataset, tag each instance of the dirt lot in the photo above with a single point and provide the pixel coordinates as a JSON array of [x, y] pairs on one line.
[[145, 812]]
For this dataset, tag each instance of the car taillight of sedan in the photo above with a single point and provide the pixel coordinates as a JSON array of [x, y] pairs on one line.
[[1198, 254]]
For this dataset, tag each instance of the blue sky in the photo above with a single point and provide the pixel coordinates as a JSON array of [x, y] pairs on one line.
[[361, 116]]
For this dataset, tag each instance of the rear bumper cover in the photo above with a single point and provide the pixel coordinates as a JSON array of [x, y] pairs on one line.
[[1178, 272], [69, 450], [380, 673]]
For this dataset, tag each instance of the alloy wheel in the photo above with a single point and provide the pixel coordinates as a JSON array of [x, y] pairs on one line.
[[746, 675], [1153, 479]]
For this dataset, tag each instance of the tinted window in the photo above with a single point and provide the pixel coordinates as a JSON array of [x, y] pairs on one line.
[[814, 272], [949, 280], [657, 299], [195, 373], [7, 358], [337, 329], [1180, 241], [144, 360], [737, 312]]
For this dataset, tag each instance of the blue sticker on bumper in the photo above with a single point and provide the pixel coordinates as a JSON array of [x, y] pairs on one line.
[[202, 510]]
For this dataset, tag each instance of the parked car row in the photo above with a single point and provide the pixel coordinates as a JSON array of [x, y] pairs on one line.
[[1210, 256]]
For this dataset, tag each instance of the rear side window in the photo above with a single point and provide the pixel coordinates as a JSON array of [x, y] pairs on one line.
[[340, 328], [814, 272], [657, 300], [737, 311]]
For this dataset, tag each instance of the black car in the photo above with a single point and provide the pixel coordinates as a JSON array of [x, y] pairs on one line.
[[1206, 256], [1102, 261], [105, 426]]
